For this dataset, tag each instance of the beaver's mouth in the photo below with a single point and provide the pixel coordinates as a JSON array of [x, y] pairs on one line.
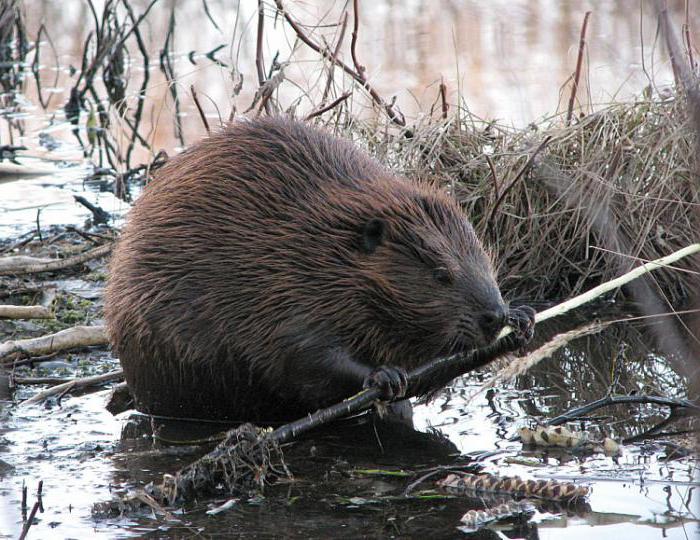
[[470, 335]]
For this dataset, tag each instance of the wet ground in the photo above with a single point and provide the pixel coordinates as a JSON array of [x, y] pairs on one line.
[[345, 481]]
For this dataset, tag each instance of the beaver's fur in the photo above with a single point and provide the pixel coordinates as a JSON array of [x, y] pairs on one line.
[[269, 269]]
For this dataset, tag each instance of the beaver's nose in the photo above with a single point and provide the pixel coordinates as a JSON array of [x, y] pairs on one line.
[[491, 321]]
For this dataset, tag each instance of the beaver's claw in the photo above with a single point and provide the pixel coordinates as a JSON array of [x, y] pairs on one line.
[[522, 320], [392, 381]]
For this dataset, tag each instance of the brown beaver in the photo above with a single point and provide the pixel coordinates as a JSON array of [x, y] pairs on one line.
[[272, 269]]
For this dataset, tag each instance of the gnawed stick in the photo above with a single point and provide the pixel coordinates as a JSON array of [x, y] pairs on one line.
[[28, 265], [78, 336], [608, 286], [25, 312], [469, 484], [83, 382]]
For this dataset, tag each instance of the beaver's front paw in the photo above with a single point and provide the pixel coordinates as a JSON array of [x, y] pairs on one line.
[[391, 380], [522, 320]]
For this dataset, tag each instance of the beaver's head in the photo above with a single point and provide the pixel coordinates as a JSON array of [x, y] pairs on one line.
[[430, 284]]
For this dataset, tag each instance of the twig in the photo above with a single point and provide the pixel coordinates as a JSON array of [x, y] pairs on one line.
[[396, 117], [259, 52], [328, 107], [98, 214], [84, 382], [168, 70], [31, 361], [30, 520], [443, 101], [617, 400], [353, 42], [518, 176], [199, 109], [211, 19], [141, 98], [89, 236], [494, 175], [579, 64], [24, 265], [611, 285], [78, 336], [41, 380], [36, 63], [336, 51]]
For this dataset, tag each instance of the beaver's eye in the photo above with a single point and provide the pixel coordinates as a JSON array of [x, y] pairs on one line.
[[442, 275]]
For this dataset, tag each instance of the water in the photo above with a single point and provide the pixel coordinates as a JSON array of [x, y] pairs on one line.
[[84, 455], [509, 61]]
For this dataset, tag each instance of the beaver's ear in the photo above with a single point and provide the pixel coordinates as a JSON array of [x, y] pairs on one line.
[[373, 234]]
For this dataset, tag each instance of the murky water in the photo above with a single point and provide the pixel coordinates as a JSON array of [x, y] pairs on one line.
[[509, 60]]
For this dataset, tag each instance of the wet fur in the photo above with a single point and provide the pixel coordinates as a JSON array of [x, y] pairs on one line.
[[270, 267]]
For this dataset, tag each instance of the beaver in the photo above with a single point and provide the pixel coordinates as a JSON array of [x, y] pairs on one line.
[[273, 269]]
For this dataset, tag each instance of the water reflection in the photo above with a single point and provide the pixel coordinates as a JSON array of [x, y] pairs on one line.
[[507, 59]]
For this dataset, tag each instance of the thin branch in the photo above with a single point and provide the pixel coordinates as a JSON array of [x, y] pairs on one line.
[[353, 43], [611, 285], [259, 53], [617, 400], [199, 109], [336, 51], [396, 117], [328, 107], [84, 382], [443, 100], [579, 64]]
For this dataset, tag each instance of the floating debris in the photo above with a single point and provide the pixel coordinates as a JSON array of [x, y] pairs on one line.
[[476, 519], [471, 484], [552, 436], [223, 507], [562, 437]]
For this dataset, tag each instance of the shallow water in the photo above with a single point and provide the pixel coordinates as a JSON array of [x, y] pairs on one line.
[[510, 60], [84, 455]]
